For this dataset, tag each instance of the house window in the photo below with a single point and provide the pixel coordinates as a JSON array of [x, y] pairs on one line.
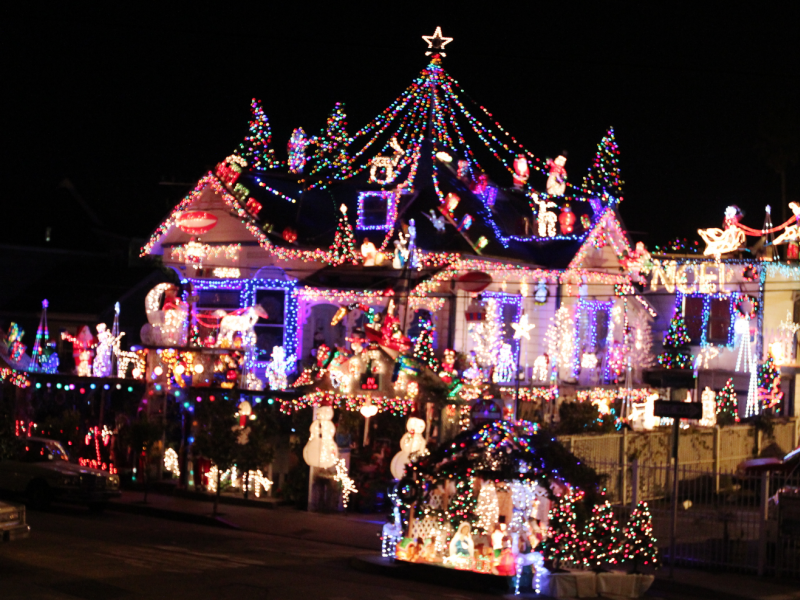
[[593, 324], [210, 301], [708, 319], [376, 210], [213, 299], [693, 317], [269, 331], [719, 321]]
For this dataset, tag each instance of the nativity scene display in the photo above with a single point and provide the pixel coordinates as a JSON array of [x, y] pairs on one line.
[[505, 500]]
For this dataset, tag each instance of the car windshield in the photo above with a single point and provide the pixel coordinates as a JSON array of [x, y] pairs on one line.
[[43, 451]]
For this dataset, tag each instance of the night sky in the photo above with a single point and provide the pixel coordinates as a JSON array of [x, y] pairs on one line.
[[119, 100]]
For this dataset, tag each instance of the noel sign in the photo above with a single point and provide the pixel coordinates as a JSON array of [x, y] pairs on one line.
[[706, 277]]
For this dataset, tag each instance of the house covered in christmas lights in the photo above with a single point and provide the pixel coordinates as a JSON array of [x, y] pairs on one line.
[[431, 217]]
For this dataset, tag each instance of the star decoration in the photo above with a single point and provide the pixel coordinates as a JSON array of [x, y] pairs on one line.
[[522, 328], [436, 42]]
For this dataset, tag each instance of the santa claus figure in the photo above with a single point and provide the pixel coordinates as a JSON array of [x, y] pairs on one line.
[[82, 345], [557, 178], [521, 171]]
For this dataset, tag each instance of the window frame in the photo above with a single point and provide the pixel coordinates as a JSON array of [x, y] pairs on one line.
[[706, 317], [390, 199]]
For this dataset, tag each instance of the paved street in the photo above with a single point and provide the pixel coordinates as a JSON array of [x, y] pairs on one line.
[[73, 554]]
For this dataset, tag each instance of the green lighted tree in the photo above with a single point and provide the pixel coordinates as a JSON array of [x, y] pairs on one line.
[[604, 174], [769, 384], [675, 339], [727, 405], [344, 242], [563, 544], [255, 147], [639, 546], [330, 160], [602, 537], [463, 504], [423, 344]]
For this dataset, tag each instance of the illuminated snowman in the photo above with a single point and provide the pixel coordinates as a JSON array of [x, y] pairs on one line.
[[321, 450], [411, 443]]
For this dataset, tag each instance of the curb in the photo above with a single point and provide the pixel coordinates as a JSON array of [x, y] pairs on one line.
[[203, 497], [431, 574], [689, 589], [171, 515]]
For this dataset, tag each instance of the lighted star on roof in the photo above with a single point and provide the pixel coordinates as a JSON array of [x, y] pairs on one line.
[[436, 42]]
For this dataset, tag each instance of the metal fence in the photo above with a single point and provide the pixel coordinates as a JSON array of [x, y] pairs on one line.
[[747, 522]]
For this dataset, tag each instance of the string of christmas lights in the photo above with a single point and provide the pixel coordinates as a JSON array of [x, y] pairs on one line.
[[398, 407]]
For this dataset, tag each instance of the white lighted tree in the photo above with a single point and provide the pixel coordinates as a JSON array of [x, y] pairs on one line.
[[488, 508], [560, 339], [488, 335]]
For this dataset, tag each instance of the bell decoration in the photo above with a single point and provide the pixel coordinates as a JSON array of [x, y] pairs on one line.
[[566, 220], [289, 235]]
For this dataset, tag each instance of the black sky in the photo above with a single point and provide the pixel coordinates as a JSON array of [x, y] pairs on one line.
[[120, 98]]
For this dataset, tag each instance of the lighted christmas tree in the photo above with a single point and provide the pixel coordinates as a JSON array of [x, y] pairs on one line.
[[675, 339], [639, 546], [488, 335], [39, 358], [488, 509], [769, 384], [344, 242], [16, 349], [423, 344], [255, 147], [676, 336], [560, 338], [727, 405], [297, 150], [604, 174], [563, 544], [602, 538], [462, 506], [330, 160]]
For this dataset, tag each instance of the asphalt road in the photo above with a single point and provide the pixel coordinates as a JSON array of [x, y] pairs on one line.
[[74, 554]]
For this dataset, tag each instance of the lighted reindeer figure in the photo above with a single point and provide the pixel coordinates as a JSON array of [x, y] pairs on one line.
[[242, 322], [126, 358], [545, 218], [387, 163]]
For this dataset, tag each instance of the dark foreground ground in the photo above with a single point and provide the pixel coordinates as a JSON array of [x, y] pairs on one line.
[[73, 554]]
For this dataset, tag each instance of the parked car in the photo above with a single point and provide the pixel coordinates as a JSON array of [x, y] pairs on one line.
[[42, 472], [788, 464], [12, 523]]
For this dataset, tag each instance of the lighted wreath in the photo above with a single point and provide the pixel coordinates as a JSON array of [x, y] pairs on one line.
[[738, 306], [750, 273]]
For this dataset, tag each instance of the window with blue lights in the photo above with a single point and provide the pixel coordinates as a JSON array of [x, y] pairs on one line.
[[693, 317], [269, 331], [212, 299], [719, 321], [376, 210], [709, 318]]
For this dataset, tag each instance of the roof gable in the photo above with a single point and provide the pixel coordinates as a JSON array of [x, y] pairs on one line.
[[605, 245]]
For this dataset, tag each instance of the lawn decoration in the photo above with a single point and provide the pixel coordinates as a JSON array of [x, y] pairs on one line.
[[481, 502]]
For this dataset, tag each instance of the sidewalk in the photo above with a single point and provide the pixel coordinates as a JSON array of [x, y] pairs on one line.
[[721, 585], [362, 532], [355, 530]]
